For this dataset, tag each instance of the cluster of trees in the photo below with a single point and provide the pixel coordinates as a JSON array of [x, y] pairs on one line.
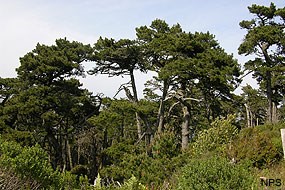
[[86, 134]]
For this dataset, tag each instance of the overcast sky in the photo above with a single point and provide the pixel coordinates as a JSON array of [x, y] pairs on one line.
[[24, 23]]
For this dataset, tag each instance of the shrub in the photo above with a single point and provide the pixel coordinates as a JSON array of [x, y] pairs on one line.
[[31, 164], [79, 170], [214, 173], [222, 132], [132, 184], [9, 180], [165, 145], [148, 169], [261, 146]]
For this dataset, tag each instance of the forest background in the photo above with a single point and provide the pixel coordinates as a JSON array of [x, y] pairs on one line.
[[57, 134]]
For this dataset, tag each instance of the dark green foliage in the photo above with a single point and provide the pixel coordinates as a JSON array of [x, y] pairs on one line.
[[116, 57], [47, 100], [124, 160], [79, 170], [165, 146], [255, 105], [195, 72], [128, 160], [261, 146], [214, 173], [116, 119], [265, 39], [57, 135], [46, 65]]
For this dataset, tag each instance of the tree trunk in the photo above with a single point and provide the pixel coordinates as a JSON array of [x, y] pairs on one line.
[[104, 146], [57, 160], [139, 126], [248, 118], [268, 81], [185, 128], [274, 113], [161, 111], [269, 97], [135, 100], [69, 154], [251, 118]]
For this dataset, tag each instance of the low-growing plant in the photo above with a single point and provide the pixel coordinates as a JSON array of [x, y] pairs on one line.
[[261, 146], [221, 132], [214, 173], [31, 164]]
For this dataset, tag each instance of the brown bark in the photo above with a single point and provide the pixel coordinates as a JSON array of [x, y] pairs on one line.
[[139, 117], [139, 126], [186, 117], [57, 160]]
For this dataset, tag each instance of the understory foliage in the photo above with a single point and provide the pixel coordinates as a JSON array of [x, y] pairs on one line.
[[29, 167], [151, 167], [214, 173], [260, 146], [221, 133]]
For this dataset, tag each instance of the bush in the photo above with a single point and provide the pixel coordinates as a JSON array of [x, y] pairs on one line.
[[165, 145], [79, 170], [214, 173], [9, 180], [261, 146], [151, 168], [222, 132], [31, 164], [132, 184]]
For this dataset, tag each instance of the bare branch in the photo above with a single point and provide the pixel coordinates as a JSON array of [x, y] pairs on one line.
[[194, 99], [170, 109], [122, 86]]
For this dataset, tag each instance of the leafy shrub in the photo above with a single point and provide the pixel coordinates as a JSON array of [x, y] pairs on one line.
[[28, 162], [31, 164], [214, 173], [9, 180], [79, 170], [222, 132], [132, 184], [165, 146], [151, 170], [261, 146]]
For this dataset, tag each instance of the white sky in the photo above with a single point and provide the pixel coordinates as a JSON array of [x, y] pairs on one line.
[[24, 23]]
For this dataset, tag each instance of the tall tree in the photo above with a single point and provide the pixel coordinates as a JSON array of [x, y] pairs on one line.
[[50, 101], [187, 63], [159, 48], [255, 106], [265, 39], [118, 58], [202, 66]]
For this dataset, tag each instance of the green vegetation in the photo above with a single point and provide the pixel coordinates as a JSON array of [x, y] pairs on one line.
[[214, 173], [189, 131]]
